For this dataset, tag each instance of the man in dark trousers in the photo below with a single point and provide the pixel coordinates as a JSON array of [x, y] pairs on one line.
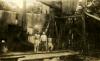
[[44, 41]]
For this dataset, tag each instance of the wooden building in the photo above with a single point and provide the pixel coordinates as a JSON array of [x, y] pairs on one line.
[[58, 18]]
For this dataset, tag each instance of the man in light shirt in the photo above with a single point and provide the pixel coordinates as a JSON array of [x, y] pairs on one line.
[[44, 41], [36, 42], [50, 44]]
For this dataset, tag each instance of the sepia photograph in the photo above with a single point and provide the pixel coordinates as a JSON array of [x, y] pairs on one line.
[[49, 30]]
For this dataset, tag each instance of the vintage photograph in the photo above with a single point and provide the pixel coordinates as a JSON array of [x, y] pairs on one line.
[[49, 30]]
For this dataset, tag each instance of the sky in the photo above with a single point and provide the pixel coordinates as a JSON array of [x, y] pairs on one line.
[[19, 3]]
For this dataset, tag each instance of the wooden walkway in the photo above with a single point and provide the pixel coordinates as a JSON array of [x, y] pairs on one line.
[[33, 56]]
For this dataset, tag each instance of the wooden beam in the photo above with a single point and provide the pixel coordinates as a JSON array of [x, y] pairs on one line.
[[20, 56], [92, 16], [10, 57], [47, 55], [74, 16]]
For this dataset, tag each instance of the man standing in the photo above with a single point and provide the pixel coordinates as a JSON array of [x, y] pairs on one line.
[[50, 44], [44, 41], [36, 42]]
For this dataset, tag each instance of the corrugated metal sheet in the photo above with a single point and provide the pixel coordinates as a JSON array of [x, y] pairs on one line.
[[35, 21], [9, 17], [19, 17], [45, 9], [1, 14], [69, 5], [29, 19]]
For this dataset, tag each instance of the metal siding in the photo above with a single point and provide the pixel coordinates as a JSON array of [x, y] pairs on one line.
[[69, 5]]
